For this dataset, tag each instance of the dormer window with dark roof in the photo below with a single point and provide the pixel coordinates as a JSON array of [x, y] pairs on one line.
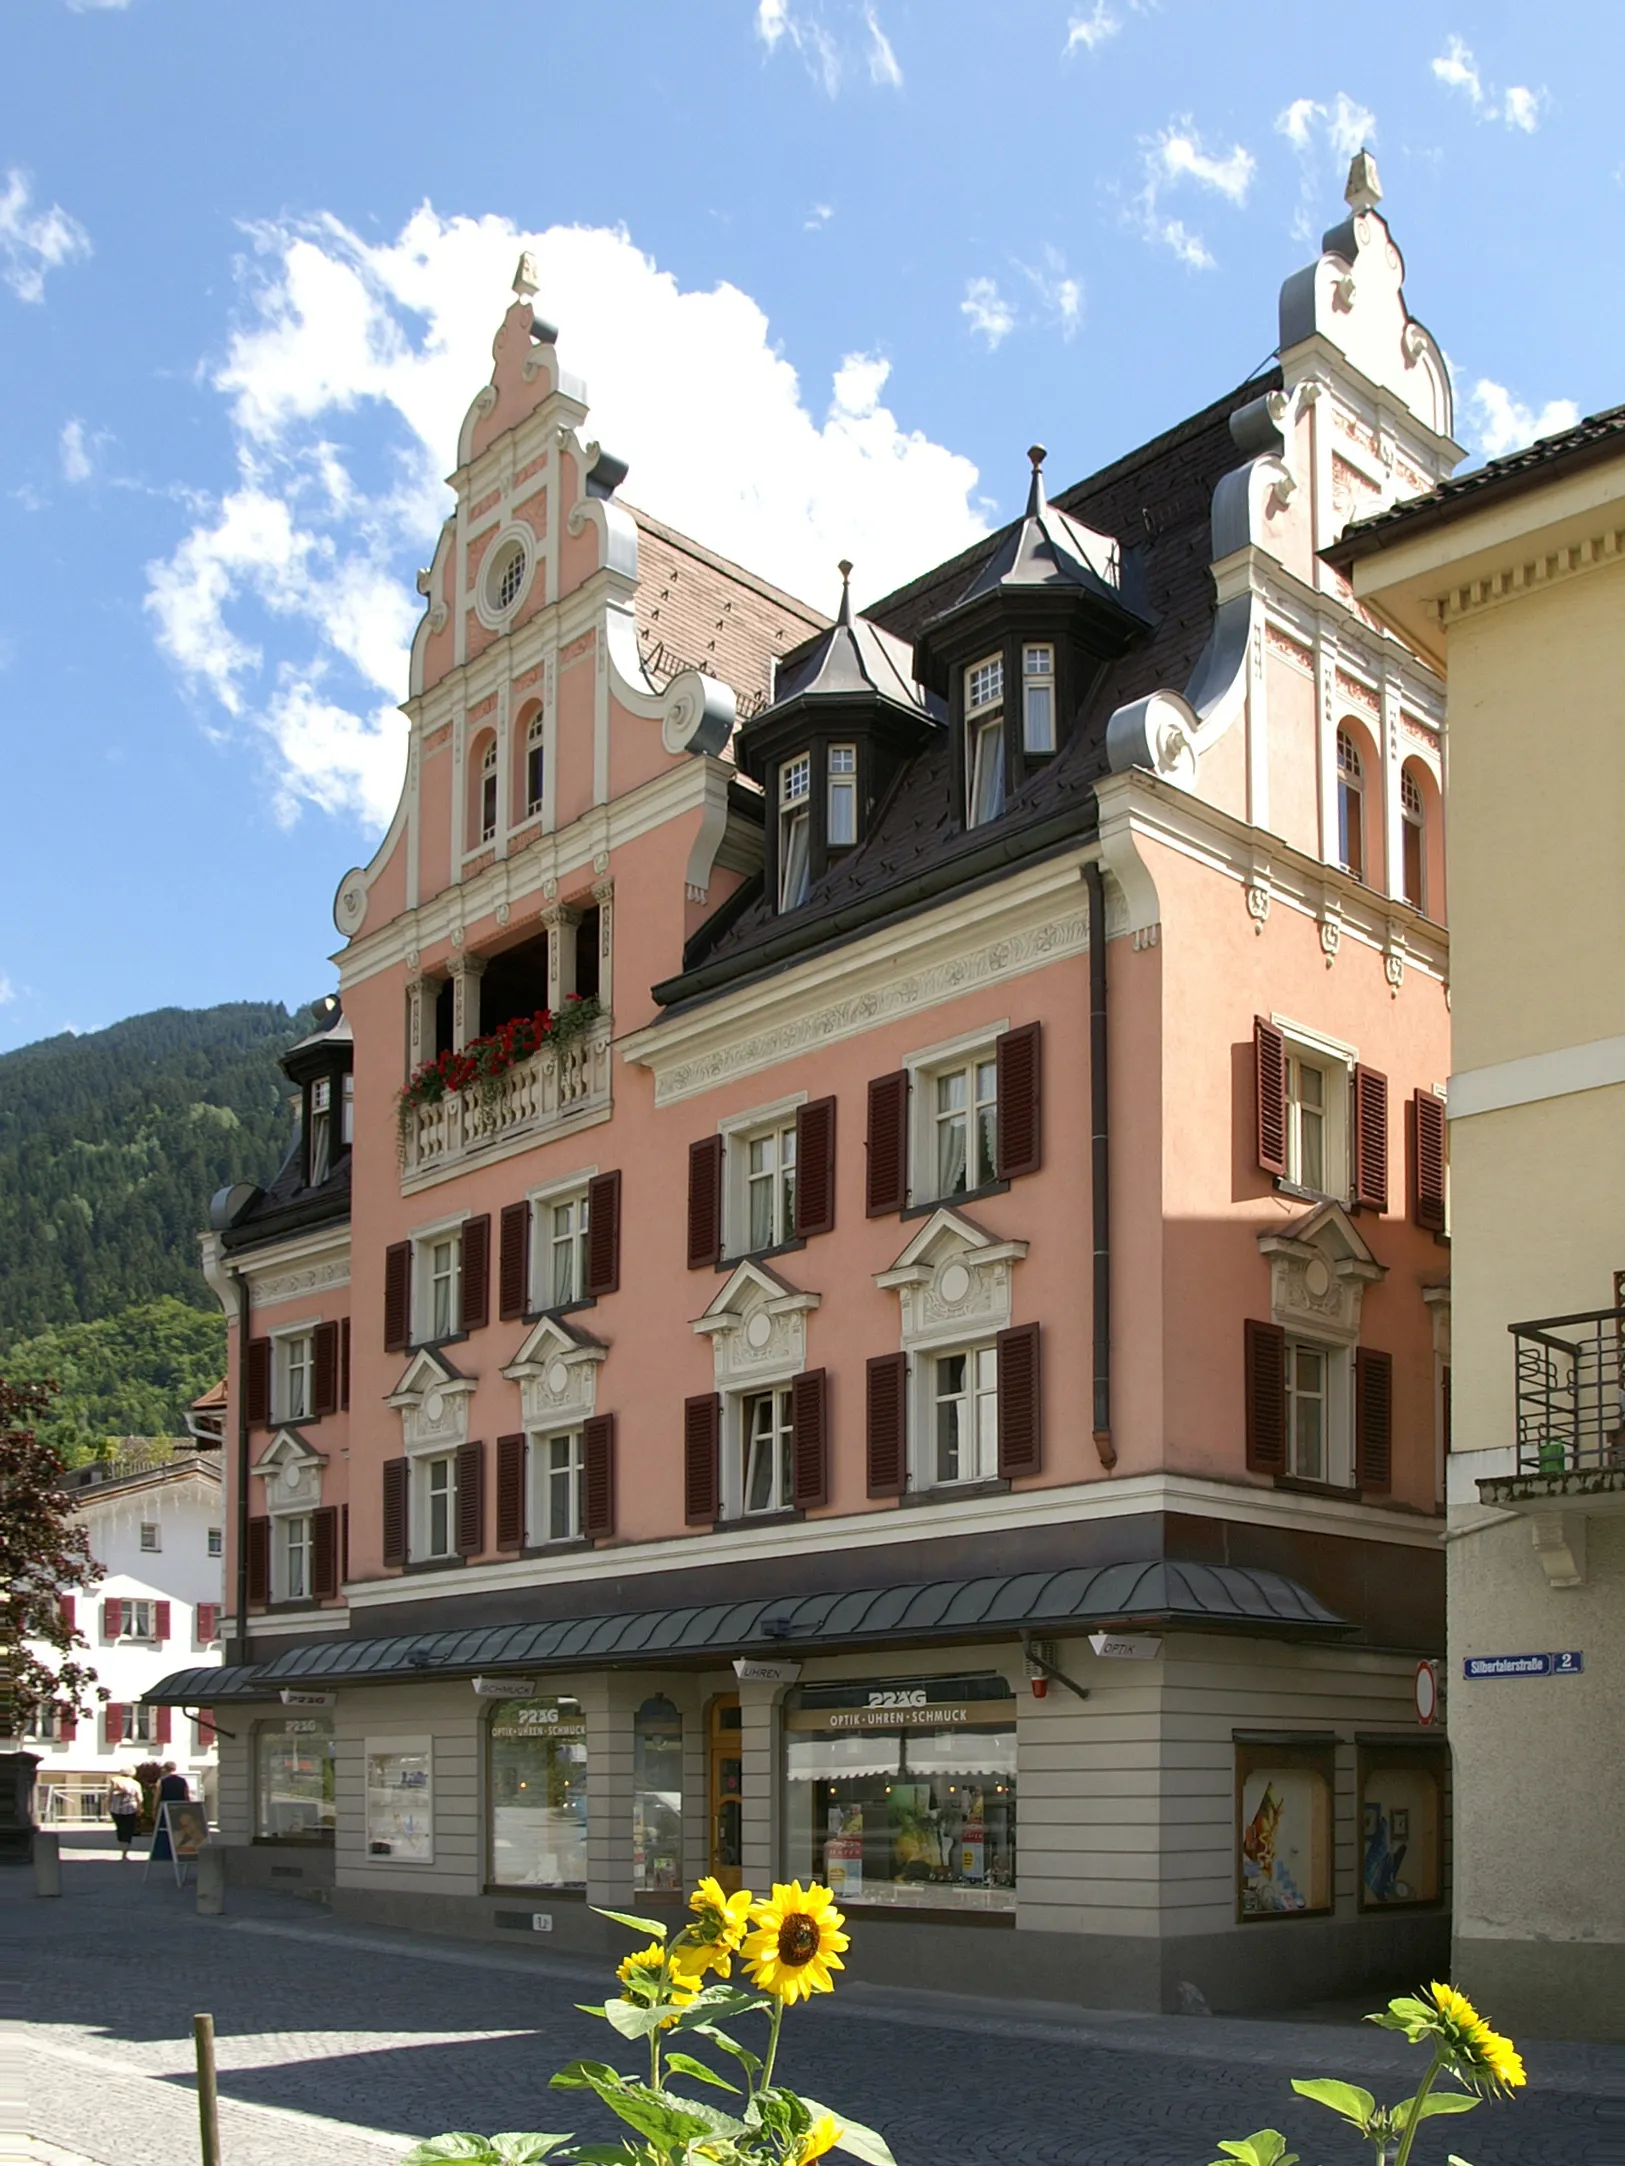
[[1037, 700], [842, 813], [984, 740]]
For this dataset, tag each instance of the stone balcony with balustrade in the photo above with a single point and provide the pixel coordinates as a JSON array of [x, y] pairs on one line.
[[559, 1087]]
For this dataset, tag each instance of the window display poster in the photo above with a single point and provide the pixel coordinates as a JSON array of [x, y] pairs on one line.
[[400, 1800], [657, 1797], [843, 1852], [1399, 1837], [538, 1794], [1285, 1841], [295, 1780]]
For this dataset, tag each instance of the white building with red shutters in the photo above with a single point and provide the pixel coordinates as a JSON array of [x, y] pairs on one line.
[[157, 1529]]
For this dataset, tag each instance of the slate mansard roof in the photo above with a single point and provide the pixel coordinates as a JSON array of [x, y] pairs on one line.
[[1156, 502]]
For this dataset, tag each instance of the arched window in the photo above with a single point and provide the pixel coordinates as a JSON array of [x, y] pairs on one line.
[[535, 765], [657, 1797], [1350, 806], [1414, 826], [488, 792]]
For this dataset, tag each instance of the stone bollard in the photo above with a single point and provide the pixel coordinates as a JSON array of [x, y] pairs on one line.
[[47, 1862], [211, 1880]]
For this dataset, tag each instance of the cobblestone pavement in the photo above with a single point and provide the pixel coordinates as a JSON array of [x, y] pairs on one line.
[[340, 2046]]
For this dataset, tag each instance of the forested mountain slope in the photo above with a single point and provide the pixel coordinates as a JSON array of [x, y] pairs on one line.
[[111, 1145]]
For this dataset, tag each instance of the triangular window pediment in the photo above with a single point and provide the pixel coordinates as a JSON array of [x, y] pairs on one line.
[[557, 1373], [952, 1280], [292, 1472], [1320, 1266], [553, 1340], [949, 1233], [750, 1286], [288, 1449], [428, 1370]]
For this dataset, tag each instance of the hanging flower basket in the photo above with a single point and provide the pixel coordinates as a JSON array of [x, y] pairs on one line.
[[482, 1060]]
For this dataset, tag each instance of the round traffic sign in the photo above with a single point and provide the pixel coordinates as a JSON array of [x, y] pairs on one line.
[[1427, 1691]]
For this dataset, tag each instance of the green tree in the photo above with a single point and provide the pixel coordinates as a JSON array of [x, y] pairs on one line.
[[131, 1374]]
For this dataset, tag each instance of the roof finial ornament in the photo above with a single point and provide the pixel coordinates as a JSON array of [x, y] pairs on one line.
[[1035, 493], [845, 569], [1364, 190], [525, 281]]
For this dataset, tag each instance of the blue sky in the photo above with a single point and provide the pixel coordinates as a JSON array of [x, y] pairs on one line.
[[826, 267]]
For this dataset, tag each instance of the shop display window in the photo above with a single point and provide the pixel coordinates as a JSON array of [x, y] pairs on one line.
[[657, 1798], [293, 1780], [1284, 1813], [538, 1794], [400, 1799], [904, 1793], [1401, 1824]]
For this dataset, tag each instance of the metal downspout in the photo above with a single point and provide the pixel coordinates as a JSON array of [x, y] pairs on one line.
[[1100, 1167]]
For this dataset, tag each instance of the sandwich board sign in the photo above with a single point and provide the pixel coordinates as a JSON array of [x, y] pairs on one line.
[[187, 1826]]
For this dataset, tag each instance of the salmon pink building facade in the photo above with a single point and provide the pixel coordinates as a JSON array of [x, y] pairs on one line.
[[862, 1293]]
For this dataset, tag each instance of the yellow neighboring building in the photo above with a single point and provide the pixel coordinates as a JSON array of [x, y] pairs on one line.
[[1512, 579]]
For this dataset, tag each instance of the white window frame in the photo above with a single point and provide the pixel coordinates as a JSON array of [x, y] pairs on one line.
[[1336, 1062], [541, 1522], [490, 793], [984, 728], [536, 741], [739, 1131], [841, 783], [1413, 821], [987, 696], [424, 1241], [216, 1541], [151, 1526], [1358, 789], [346, 1110], [923, 1069], [285, 1342], [795, 814], [130, 1619], [424, 1491], [319, 1162], [736, 1441], [1039, 678], [1337, 1403], [982, 1387], [568, 1188], [290, 1545]]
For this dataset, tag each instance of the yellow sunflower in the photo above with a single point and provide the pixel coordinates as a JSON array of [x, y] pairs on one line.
[[795, 1942], [641, 1974], [719, 1927], [1477, 2054], [823, 2136]]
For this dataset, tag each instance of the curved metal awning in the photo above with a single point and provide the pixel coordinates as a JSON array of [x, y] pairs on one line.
[[1159, 1595]]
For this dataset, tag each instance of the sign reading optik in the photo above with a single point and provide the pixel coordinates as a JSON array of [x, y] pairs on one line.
[[1563, 1665]]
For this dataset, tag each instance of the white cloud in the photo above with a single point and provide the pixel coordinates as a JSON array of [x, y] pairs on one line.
[[1060, 293], [88, 7], [33, 243], [772, 21], [1519, 106], [988, 312], [820, 217], [1087, 33], [290, 600], [1173, 158], [883, 66], [1503, 424], [1344, 126], [78, 452], [8, 992]]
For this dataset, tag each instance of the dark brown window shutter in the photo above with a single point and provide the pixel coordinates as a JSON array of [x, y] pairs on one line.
[[1370, 1139], [886, 1183], [398, 1297], [397, 1517], [474, 1311], [344, 1544], [324, 1553], [510, 1492], [886, 1424], [1373, 1419], [603, 1234], [344, 1365], [809, 1436], [704, 1203], [513, 1262], [1266, 1398], [1021, 1400], [702, 1421], [1020, 1058], [1427, 1201], [470, 1499], [259, 1560], [598, 1477], [1269, 1096], [324, 1397], [257, 1381], [815, 1167]]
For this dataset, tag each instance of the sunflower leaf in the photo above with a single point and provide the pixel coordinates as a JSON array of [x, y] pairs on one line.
[[460, 2144], [633, 2021], [1266, 2148], [583, 2076], [1436, 2102], [749, 2061], [1345, 2098], [651, 1926], [726, 2004], [685, 2064], [518, 2149], [864, 2143]]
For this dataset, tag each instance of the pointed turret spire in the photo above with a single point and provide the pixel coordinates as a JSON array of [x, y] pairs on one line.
[[1035, 492], [844, 614]]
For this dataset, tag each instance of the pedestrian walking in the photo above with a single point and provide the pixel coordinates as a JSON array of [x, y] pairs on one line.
[[124, 1810], [172, 1790]]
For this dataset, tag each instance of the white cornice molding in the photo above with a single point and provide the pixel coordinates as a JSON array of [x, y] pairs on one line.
[[1521, 575], [293, 1269], [1034, 918], [1079, 1502], [1325, 623]]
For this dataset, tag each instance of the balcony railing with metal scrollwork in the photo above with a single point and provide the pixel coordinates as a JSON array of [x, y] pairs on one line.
[[556, 1085], [1571, 1392]]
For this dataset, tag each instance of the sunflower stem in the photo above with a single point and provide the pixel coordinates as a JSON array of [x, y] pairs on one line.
[[1415, 2121], [772, 2046]]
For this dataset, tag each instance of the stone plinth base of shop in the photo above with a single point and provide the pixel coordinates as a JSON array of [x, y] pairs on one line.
[[1572, 1989], [16, 1816], [278, 1867]]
